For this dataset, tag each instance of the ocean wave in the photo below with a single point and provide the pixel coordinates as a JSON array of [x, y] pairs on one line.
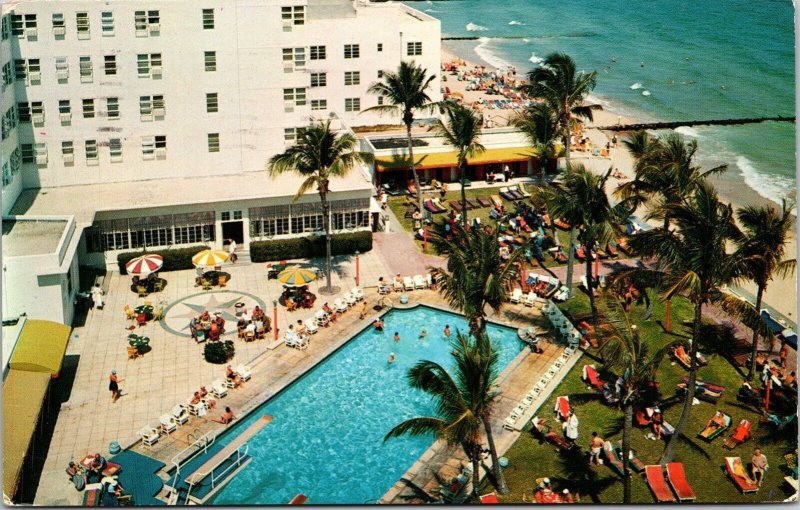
[[488, 55], [687, 131], [591, 98], [515, 22], [526, 40], [535, 59], [770, 186], [472, 27], [636, 85]]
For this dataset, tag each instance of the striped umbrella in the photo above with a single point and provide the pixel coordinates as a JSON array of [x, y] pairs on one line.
[[296, 276], [145, 264], [210, 258]]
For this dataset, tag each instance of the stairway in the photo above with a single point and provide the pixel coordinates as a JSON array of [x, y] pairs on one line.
[[244, 258]]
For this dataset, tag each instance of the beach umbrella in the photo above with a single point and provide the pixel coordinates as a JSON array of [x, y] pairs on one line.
[[209, 258], [145, 264], [296, 276]]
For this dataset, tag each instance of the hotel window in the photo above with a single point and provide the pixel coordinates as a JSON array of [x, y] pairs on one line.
[[148, 65], [147, 107], [7, 176], [40, 153], [306, 218], [208, 19], [269, 221], [115, 149], [17, 25], [294, 58], [213, 142], [210, 58], [9, 121], [319, 79], [59, 26], [20, 69], [352, 77], [212, 102], [292, 98], [112, 107], [154, 147], [37, 113], [349, 214], [352, 104], [23, 25], [8, 74], [380, 47], [24, 112], [414, 49], [380, 74], [146, 23], [293, 15], [27, 152], [110, 64], [319, 104], [62, 69], [64, 111], [317, 53], [85, 66], [82, 25], [68, 152], [351, 51], [107, 24], [5, 31], [289, 135], [380, 100], [88, 108], [90, 146]]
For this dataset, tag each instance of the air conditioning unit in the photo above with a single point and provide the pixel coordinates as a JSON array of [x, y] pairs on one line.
[[35, 76], [155, 72], [83, 35], [116, 159], [69, 158], [288, 106], [59, 30], [148, 156], [159, 112], [141, 33], [155, 27], [65, 117], [161, 153], [37, 118], [32, 32], [146, 117], [300, 66], [62, 75], [92, 161], [288, 67], [287, 25], [87, 78], [41, 159]]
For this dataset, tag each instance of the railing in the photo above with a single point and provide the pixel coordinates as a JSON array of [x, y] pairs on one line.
[[199, 445], [199, 475]]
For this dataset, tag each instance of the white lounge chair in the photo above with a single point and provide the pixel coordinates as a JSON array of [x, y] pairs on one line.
[[419, 282], [516, 295], [530, 299], [358, 293], [397, 286], [384, 289], [349, 298], [168, 425], [196, 409], [311, 326], [179, 414], [522, 190], [219, 389], [244, 372], [321, 318], [408, 283], [149, 435], [340, 305]]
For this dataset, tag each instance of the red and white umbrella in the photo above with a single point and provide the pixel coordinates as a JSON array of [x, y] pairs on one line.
[[145, 264]]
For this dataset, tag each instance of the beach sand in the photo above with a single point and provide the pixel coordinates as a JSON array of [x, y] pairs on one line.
[[781, 294]]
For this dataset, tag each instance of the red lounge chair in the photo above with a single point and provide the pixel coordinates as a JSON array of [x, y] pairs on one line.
[[562, 408], [455, 205], [634, 462], [483, 202], [580, 254], [741, 435], [657, 483], [591, 376], [91, 497], [490, 499], [682, 357], [642, 419], [611, 249], [735, 469], [623, 246], [713, 429], [600, 253], [677, 479], [561, 224]]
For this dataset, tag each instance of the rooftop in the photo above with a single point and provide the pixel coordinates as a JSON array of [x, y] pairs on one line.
[[496, 138], [31, 236]]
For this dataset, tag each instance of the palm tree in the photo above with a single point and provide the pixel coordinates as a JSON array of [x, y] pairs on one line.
[[626, 351], [539, 124], [404, 92], [691, 259], [464, 401], [476, 276], [558, 84], [580, 198], [762, 248], [462, 130], [319, 155]]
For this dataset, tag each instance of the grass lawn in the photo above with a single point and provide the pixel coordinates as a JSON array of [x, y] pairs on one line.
[[703, 462]]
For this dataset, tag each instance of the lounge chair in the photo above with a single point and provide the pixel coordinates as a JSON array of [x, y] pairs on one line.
[[496, 201], [623, 246], [149, 435], [612, 458], [611, 249], [244, 372], [530, 299], [682, 357], [340, 305], [561, 224], [714, 428], [397, 286], [358, 293], [455, 205], [516, 295], [559, 256], [506, 193], [349, 298], [580, 254], [591, 376], [419, 282], [520, 188], [179, 414], [408, 283], [739, 476], [473, 204], [321, 318], [490, 499], [543, 432], [432, 207], [677, 479], [702, 391], [657, 483], [483, 202], [195, 409], [168, 425], [585, 286], [311, 326], [634, 462], [219, 389], [562, 407], [741, 435]]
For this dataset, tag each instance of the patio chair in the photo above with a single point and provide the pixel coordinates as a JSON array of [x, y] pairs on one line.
[[261, 333], [340, 305], [129, 313], [357, 293], [311, 326], [168, 425], [677, 479], [591, 376], [490, 499], [736, 471], [530, 299], [195, 409], [741, 435], [222, 281], [562, 407], [612, 458], [408, 283], [657, 483], [159, 285], [384, 289], [349, 298], [141, 319], [149, 435], [516, 295], [419, 282], [179, 414], [141, 290], [249, 335], [321, 318], [397, 286], [219, 389], [244, 372]]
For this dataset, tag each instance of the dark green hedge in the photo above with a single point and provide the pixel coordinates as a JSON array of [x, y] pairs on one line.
[[219, 352], [307, 247], [174, 258]]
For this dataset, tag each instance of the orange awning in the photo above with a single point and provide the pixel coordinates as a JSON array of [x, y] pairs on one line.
[[450, 159]]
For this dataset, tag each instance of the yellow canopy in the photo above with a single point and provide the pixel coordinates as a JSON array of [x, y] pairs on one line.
[[449, 159], [23, 394], [41, 347]]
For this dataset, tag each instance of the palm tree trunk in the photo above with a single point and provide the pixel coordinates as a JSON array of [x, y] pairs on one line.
[[497, 472], [463, 169], [626, 449], [326, 225], [476, 477], [754, 352], [573, 235], [590, 285], [413, 167], [686, 411]]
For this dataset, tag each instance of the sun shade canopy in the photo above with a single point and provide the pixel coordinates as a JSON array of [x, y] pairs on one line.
[[450, 159], [41, 347]]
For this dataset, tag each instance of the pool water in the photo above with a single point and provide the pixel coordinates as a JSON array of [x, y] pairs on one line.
[[326, 439]]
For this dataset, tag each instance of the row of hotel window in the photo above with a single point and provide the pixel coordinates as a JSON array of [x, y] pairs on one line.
[[145, 23], [153, 147]]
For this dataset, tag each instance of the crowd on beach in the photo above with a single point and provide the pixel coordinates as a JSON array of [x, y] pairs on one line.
[[502, 83]]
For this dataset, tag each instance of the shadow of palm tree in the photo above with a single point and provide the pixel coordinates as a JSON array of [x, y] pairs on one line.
[[695, 446], [580, 477]]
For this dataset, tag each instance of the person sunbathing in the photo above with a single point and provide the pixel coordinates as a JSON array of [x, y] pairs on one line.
[[657, 421], [199, 397], [716, 421], [234, 376], [226, 417]]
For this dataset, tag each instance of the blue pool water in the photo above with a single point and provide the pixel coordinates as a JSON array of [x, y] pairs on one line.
[[326, 439]]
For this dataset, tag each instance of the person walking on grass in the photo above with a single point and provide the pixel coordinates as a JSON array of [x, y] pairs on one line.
[[571, 427], [595, 447], [113, 386]]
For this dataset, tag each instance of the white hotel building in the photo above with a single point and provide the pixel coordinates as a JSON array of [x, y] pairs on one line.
[[149, 123]]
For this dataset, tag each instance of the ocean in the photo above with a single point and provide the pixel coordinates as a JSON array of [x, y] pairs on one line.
[[667, 60]]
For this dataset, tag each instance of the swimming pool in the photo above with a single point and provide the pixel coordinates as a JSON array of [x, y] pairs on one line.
[[326, 439]]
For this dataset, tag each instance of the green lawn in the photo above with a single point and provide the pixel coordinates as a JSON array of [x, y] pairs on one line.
[[703, 461]]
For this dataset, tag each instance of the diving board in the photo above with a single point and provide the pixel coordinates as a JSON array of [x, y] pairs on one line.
[[232, 454]]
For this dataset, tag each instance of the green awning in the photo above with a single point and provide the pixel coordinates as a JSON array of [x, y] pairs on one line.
[[23, 394], [41, 347]]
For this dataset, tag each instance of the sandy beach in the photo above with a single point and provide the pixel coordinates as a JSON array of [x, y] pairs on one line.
[[781, 294]]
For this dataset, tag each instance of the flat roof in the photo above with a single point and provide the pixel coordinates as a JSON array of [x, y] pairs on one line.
[[500, 138], [86, 200], [31, 236]]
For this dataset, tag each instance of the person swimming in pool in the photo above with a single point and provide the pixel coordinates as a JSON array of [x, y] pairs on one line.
[[396, 336], [392, 358], [423, 333], [378, 325], [447, 330]]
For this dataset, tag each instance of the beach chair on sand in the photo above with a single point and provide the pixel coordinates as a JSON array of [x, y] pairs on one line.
[[739, 476], [657, 483], [741, 435], [716, 426], [679, 483], [562, 407], [516, 295]]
